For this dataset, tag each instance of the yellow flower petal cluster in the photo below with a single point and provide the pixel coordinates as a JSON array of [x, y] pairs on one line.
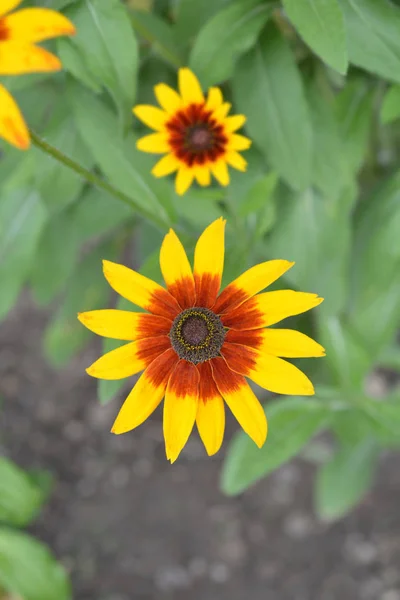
[[19, 32], [195, 133]]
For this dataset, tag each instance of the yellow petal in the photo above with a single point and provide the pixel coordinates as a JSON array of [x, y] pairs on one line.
[[124, 325], [8, 5], [250, 283], [147, 393], [153, 117], [165, 166], [214, 99], [235, 160], [269, 308], [220, 172], [119, 363], [189, 87], [22, 57], [184, 180], [12, 124], [290, 344], [221, 112], [235, 122], [140, 290], [209, 263], [241, 400], [280, 376], [37, 24], [202, 174], [180, 407], [210, 417], [168, 98], [285, 303], [239, 142], [176, 270], [155, 143]]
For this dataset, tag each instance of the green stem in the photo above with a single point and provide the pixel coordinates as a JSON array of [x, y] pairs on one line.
[[93, 179]]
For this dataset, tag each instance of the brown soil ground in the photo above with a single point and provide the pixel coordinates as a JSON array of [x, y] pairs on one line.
[[129, 526]]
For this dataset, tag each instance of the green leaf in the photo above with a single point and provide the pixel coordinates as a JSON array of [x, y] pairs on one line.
[[159, 34], [192, 16], [20, 498], [342, 482], [55, 258], [390, 109], [291, 423], [330, 170], [375, 270], [307, 231], [121, 164], [277, 113], [320, 23], [106, 49], [384, 418], [226, 36], [354, 106], [259, 205], [373, 29], [97, 213], [346, 355], [22, 216], [28, 570], [86, 290]]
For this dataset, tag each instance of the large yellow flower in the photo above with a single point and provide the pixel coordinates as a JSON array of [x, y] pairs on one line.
[[196, 346], [196, 134], [18, 54]]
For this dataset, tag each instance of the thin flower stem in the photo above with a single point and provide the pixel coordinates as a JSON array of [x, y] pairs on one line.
[[94, 179]]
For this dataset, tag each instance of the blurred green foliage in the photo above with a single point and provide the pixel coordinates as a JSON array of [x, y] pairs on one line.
[[27, 568], [319, 83]]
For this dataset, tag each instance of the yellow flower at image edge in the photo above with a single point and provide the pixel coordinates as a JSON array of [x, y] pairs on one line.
[[18, 55], [195, 133], [196, 345]]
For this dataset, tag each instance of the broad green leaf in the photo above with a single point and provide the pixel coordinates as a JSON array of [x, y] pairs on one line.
[[342, 482], [373, 36], [22, 217], [346, 355], [159, 34], [58, 184], [192, 16], [87, 289], [351, 427], [55, 258], [106, 48], [20, 498], [28, 570], [276, 109], [320, 23], [307, 232], [230, 33], [354, 110], [330, 170], [390, 109], [384, 417], [98, 213], [99, 130], [375, 307], [259, 205], [291, 424]]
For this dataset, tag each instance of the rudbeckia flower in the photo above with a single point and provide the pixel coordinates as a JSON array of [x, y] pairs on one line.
[[195, 133], [197, 346], [18, 54]]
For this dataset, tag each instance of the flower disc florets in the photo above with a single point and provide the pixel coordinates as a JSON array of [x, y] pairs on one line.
[[197, 335]]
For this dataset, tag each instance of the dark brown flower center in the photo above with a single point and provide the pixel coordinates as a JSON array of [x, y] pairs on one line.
[[199, 138], [197, 335], [4, 33], [196, 138]]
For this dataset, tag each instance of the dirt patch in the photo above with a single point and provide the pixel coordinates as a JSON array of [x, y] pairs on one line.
[[129, 526]]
